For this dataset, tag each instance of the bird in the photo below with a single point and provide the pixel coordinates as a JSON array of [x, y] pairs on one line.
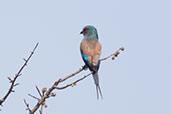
[[90, 49]]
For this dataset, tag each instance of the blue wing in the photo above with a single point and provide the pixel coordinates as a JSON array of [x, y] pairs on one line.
[[90, 65]]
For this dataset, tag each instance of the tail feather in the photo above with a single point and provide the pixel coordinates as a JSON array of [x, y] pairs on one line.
[[96, 80], [100, 91], [97, 92]]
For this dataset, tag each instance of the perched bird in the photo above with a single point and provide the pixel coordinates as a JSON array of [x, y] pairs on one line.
[[90, 51]]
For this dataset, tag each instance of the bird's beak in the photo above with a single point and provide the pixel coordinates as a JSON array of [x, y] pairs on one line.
[[81, 32]]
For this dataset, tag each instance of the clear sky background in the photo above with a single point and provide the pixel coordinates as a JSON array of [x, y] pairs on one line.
[[137, 82]]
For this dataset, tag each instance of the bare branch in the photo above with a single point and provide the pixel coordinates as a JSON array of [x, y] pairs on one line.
[[12, 81], [48, 93]]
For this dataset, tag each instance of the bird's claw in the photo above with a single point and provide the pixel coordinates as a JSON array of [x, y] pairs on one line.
[[85, 67]]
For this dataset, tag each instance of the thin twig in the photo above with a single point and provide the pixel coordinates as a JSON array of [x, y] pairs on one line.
[[73, 83], [41, 109], [12, 81], [38, 91], [27, 105], [33, 96], [114, 54]]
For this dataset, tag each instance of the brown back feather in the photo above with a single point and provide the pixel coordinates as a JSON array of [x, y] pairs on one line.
[[92, 49]]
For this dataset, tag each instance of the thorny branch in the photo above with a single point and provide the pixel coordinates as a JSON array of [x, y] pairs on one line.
[[46, 94], [12, 81]]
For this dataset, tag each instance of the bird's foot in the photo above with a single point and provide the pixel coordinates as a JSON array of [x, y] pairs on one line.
[[85, 67]]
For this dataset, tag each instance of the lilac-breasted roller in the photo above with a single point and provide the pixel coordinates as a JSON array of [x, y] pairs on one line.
[[90, 51]]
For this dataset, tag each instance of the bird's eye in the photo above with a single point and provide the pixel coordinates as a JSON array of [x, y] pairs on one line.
[[85, 31]]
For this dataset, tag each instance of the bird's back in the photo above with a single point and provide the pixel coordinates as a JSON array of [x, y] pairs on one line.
[[91, 49]]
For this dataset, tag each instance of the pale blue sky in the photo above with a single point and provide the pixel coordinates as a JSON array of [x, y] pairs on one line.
[[137, 82]]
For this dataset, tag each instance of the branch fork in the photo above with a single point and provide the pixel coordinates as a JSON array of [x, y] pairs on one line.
[[48, 93]]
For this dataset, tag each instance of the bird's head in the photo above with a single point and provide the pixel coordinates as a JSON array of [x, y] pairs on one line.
[[89, 32]]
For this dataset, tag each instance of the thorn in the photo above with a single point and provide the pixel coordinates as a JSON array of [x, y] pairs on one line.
[[24, 59], [38, 91], [12, 91], [33, 97], [10, 79], [16, 84]]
